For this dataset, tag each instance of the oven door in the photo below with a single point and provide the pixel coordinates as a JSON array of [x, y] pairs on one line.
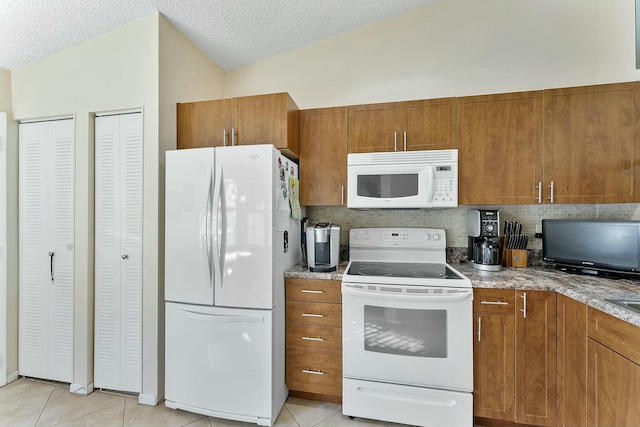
[[413, 335]]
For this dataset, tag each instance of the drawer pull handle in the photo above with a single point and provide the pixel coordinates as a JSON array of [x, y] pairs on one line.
[[312, 315], [311, 371], [494, 302], [312, 291], [313, 338]]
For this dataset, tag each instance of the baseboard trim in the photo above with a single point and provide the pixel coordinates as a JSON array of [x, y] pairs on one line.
[[147, 399], [81, 388], [12, 376]]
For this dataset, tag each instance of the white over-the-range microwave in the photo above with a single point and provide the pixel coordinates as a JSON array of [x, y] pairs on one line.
[[403, 180]]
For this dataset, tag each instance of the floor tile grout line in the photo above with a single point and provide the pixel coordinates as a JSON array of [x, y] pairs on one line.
[[292, 417], [85, 415], [44, 407]]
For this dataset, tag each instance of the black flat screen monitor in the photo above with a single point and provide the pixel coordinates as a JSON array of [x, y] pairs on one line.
[[592, 246]]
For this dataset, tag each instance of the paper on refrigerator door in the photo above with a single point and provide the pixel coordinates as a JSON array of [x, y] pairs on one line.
[[294, 197]]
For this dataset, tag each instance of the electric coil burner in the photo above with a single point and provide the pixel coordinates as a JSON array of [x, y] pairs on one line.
[[407, 330]]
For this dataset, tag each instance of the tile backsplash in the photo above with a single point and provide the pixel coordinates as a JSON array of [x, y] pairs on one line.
[[454, 220]]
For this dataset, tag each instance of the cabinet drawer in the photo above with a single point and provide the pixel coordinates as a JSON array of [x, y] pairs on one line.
[[313, 290], [310, 313], [314, 371], [494, 301], [314, 337], [620, 336]]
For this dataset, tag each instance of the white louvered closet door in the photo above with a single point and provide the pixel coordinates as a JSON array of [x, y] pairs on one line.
[[118, 265], [46, 242]]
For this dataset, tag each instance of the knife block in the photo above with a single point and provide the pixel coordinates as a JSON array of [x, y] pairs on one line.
[[516, 257]]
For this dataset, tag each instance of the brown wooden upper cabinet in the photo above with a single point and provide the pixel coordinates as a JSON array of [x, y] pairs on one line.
[[500, 148], [592, 144], [261, 119], [403, 126], [323, 157]]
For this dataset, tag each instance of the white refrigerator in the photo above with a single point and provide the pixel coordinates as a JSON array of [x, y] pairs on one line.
[[229, 237]]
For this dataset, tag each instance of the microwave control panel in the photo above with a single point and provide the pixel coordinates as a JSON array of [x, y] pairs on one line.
[[445, 188]]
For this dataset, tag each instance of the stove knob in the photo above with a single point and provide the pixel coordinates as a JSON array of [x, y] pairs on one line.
[[366, 236], [436, 237], [427, 237], [357, 236]]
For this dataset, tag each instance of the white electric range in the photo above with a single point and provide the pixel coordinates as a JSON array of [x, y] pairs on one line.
[[407, 330]]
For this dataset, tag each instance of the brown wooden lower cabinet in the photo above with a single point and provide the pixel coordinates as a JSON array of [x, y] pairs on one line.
[[314, 339], [515, 356], [572, 362]]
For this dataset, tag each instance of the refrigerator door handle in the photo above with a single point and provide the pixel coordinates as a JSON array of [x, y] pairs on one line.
[[216, 256], [222, 318], [207, 234]]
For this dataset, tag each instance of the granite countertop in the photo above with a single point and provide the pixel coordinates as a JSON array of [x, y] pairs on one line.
[[590, 290]]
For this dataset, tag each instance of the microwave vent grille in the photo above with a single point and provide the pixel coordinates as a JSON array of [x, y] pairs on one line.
[[404, 157]]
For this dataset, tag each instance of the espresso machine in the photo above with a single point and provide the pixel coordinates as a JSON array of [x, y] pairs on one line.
[[483, 229]]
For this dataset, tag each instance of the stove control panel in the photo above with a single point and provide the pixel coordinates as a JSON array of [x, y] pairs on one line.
[[397, 237]]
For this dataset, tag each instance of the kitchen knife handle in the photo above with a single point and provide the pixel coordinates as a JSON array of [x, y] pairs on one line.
[[539, 187]]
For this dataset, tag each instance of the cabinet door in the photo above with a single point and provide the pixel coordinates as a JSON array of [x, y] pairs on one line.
[[265, 119], [591, 140], [572, 362], [431, 124], [536, 358], [499, 148], [376, 127], [204, 124], [323, 157], [613, 388], [493, 366]]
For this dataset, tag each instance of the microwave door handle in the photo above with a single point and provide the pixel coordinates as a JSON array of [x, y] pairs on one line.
[[430, 185]]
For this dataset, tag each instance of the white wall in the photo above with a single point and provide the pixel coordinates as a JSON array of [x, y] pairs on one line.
[[150, 65], [8, 237], [115, 71], [456, 48]]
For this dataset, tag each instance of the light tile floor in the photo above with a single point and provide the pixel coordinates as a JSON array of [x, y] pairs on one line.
[[34, 403]]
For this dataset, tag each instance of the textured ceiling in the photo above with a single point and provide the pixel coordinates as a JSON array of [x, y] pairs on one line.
[[233, 33]]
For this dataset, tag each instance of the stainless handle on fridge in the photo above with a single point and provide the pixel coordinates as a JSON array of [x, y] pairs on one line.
[[217, 247], [405, 140], [539, 188], [311, 371], [479, 328], [207, 232], [395, 140], [51, 254], [494, 302], [313, 339], [551, 190], [524, 304]]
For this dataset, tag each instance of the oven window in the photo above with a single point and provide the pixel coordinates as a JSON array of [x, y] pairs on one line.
[[406, 332], [388, 186]]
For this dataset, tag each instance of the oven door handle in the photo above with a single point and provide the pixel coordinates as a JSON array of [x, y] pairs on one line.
[[431, 296]]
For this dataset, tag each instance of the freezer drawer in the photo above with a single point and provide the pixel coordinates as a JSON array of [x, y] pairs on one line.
[[219, 361]]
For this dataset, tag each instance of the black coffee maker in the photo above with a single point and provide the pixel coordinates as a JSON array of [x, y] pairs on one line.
[[483, 229]]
